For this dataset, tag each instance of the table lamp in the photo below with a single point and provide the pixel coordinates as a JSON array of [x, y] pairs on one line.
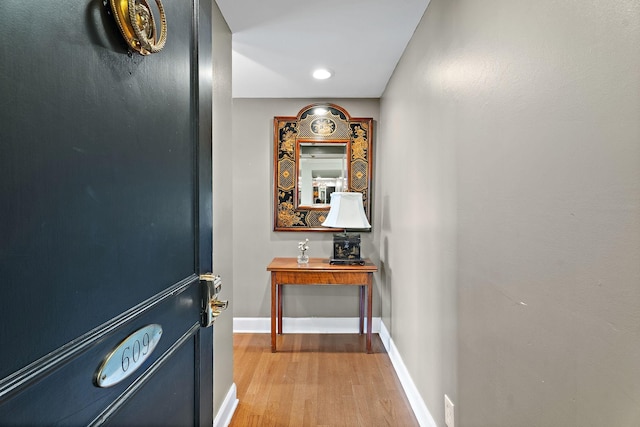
[[347, 212]]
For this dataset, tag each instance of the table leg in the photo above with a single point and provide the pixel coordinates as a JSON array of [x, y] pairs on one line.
[[361, 309], [274, 289], [280, 287], [369, 306]]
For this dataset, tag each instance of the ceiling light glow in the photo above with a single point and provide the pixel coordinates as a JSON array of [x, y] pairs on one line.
[[322, 74]]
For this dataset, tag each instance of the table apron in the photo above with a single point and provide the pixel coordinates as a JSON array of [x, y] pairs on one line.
[[321, 278]]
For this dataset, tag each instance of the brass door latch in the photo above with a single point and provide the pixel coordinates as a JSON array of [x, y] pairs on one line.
[[212, 306]]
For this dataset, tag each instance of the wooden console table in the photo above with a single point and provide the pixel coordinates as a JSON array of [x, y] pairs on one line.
[[286, 271]]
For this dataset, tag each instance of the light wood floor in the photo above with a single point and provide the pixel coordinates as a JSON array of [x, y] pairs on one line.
[[316, 380]]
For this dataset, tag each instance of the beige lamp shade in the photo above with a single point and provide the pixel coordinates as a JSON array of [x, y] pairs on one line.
[[346, 211]]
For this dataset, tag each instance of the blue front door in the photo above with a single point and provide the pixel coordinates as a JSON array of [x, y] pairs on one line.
[[105, 195]]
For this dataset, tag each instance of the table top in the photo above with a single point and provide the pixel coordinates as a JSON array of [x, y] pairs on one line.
[[318, 264]]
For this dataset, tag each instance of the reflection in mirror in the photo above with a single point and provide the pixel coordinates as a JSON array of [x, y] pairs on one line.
[[322, 170]]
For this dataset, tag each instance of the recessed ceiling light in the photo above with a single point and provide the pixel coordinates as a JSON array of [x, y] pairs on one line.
[[322, 74]]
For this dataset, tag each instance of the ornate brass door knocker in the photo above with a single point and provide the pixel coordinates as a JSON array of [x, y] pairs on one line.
[[138, 27]]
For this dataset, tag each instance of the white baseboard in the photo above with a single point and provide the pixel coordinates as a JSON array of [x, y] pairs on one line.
[[304, 325], [229, 405], [420, 409], [385, 337]]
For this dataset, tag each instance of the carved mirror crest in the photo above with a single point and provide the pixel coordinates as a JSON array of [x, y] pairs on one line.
[[321, 150]]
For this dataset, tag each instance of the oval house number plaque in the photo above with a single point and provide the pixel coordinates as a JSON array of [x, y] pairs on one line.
[[128, 356]]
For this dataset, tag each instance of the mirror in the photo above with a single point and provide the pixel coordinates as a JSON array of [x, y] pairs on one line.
[[319, 151], [322, 170]]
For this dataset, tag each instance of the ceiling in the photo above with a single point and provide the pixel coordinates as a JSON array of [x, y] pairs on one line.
[[278, 43]]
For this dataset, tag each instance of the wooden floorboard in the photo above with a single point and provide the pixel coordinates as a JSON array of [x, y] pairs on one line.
[[316, 380]]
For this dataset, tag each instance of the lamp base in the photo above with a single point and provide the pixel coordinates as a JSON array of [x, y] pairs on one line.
[[346, 249], [346, 261]]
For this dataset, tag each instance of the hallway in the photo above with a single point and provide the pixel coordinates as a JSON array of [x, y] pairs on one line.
[[316, 380]]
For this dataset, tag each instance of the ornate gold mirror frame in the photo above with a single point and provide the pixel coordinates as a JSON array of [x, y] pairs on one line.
[[323, 124]]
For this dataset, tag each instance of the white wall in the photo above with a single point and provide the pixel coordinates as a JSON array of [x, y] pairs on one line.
[[516, 128]]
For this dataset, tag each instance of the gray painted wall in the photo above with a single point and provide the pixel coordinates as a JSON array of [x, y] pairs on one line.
[[516, 128], [255, 243], [417, 176], [222, 212]]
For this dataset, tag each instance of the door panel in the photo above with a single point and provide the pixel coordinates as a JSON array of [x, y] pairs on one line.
[[101, 158], [179, 406], [66, 393]]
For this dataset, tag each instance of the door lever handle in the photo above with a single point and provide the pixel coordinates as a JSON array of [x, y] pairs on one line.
[[217, 307], [216, 304]]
